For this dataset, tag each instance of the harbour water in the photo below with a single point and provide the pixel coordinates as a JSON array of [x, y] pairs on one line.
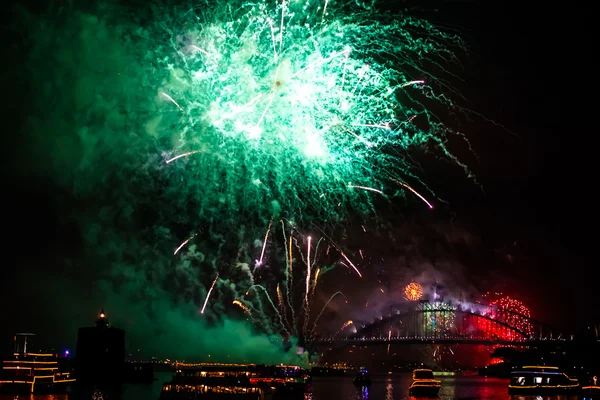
[[383, 387]]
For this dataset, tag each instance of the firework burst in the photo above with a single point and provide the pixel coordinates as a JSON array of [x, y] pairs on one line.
[[234, 116], [519, 316], [413, 291], [294, 107], [293, 312], [298, 105], [439, 317]]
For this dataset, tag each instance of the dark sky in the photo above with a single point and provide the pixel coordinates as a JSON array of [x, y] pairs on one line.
[[537, 184], [526, 72]]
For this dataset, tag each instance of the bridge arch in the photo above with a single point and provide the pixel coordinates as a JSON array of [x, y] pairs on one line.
[[449, 323]]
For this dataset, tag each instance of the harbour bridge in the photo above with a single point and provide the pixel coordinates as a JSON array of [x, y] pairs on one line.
[[446, 323]]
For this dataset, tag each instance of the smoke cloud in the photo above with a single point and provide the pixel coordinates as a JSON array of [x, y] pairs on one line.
[[101, 133]]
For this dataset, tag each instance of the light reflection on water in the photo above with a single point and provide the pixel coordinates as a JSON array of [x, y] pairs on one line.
[[395, 387], [383, 387]]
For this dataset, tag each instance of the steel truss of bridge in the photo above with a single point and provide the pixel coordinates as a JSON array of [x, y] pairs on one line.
[[447, 323], [487, 342]]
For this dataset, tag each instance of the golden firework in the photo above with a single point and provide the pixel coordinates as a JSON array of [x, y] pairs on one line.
[[413, 291]]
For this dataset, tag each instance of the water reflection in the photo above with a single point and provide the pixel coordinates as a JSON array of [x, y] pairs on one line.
[[395, 387], [424, 398], [389, 388], [557, 397], [383, 387], [150, 391], [35, 397], [365, 393], [98, 395]]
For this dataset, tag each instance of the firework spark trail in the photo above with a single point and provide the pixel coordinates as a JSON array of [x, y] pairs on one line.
[[344, 326], [262, 252], [283, 310], [317, 248], [287, 255], [308, 281], [242, 306], [414, 191], [208, 294], [337, 247], [172, 100], [279, 299], [201, 50], [308, 246], [266, 292], [412, 83], [351, 264], [281, 26], [186, 241], [290, 281], [382, 126], [314, 286], [366, 188], [247, 310], [363, 140], [333, 296], [324, 11], [189, 153], [260, 311], [299, 251]]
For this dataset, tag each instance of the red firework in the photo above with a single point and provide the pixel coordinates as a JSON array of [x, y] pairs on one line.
[[518, 317]]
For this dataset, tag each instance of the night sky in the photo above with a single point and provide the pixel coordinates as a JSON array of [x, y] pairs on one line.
[[534, 221]]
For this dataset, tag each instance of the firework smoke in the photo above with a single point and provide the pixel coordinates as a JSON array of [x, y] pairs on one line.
[[161, 121]]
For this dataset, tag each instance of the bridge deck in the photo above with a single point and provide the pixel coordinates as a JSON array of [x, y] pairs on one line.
[[386, 341]]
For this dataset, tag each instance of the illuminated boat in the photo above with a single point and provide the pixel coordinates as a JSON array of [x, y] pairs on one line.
[[236, 381], [362, 378], [541, 380], [591, 389], [33, 372], [424, 384]]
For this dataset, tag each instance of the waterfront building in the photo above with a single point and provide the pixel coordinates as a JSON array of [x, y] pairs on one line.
[[100, 356]]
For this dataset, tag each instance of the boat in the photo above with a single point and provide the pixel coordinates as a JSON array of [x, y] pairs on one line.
[[32, 372], [424, 384], [541, 380], [362, 378], [236, 381], [591, 389]]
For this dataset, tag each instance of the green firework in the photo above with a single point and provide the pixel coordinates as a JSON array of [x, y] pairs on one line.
[[296, 104], [436, 318], [280, 109]]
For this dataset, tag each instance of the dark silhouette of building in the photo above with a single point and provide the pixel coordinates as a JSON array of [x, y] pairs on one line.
[[100, 356]]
